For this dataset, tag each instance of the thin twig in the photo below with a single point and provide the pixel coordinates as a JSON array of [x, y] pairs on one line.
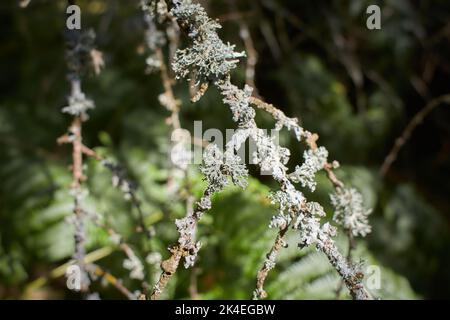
[[77, 179], [193, 284], [351, 247], [115, 282], [186, 245], [252, 54], [61, 270], [269, 264], [406, 134]]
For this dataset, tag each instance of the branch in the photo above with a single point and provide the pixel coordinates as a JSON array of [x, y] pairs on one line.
[[406, 134], [186, 246], [252, 60], [78, 56], [115, 282], [351, 277], [351, 247], [61, 270], [77, 178], [269, 264], [213, 60]]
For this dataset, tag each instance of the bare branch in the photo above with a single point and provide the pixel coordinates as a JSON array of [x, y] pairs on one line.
[[407, 132]]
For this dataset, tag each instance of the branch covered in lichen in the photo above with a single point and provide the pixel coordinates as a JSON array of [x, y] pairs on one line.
[[270, 261], [78, 55], [219, 168], [211, 61]]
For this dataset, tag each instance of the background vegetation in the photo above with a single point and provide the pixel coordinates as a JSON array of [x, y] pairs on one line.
[[317, 60]]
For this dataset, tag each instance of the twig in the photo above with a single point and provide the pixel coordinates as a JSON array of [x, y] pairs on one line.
[[61, 270], [121, 181], [115, 282], [187, 227], [118, 239], [269, 264], [351, 278], [193, 284], [351, 247], [406, 134], [77, 178], [79, 55], [252, 54], [170, 102], [186, 245]]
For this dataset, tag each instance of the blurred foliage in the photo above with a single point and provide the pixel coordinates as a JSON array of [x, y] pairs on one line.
[[356, 88]]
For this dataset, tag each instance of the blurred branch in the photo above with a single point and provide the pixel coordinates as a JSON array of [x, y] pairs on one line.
[[252, 54], [112, 280], [193, 284], [61, 270], [406, 134]]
